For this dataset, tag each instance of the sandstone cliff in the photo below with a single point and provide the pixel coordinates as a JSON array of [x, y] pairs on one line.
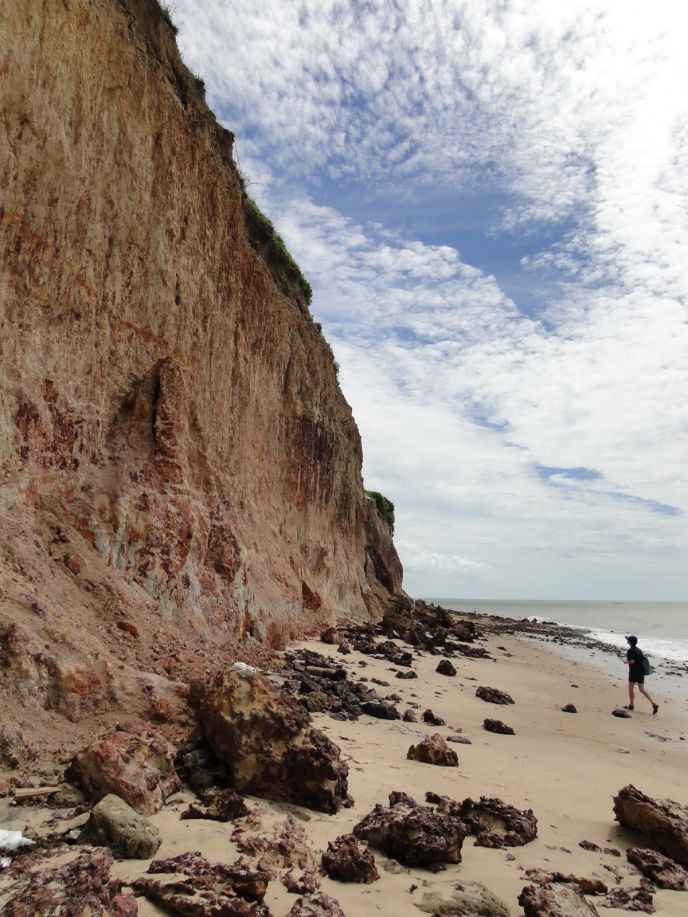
[[181, 475]]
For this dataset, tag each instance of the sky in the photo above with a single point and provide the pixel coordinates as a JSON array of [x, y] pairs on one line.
[[490, 201]]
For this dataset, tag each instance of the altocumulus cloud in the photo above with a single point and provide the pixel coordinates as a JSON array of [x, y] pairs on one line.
[[534, 445]]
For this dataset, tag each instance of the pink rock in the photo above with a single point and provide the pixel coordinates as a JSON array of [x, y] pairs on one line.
[[131, 762]]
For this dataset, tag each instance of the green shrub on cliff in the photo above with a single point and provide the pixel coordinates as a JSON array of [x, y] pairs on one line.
[[276, 240], [384, 507]]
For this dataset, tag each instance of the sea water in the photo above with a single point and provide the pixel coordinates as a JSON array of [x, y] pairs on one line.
[[661, 627]]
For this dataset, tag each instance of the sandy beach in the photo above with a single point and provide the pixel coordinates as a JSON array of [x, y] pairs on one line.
[[565, 767]]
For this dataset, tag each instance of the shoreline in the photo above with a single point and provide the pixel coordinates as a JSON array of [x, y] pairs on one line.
[[565, 767]]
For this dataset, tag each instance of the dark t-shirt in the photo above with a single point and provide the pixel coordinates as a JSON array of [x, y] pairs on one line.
[[635, 657]]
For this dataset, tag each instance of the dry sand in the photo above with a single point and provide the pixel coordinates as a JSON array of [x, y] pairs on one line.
[[566, 767]]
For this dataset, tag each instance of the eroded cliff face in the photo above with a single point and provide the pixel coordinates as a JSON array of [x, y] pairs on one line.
[[181, 475]]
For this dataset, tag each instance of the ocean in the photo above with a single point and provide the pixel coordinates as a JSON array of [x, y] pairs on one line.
[[661, 627]]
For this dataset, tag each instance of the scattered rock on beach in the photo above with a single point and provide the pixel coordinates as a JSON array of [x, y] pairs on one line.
[[555, 900], [497, 824], [316, 906], [262, 735], [131, 762], [414, 835], [205, 888], [621, 713], [444, 667], [499, 727], [433, 750], [347, 860], [459, 740], [659, 869], [114, 824], [494, 696], [569, 708], [468, 898], [410, 716], [80, 886], [663, 821], [381, 709], [585, 885], [431, 718], [218, 805], [632, 899], [590, 845]]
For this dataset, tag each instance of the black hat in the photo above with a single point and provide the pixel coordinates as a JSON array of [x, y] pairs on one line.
[[631, 639]]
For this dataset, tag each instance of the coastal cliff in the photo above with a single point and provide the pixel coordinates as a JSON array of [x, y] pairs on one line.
[[181, 474]]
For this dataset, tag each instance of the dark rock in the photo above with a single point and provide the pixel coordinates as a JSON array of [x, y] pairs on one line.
[[590, 845], [499, 727], [305, 884], [381, 709], [432, 719], [663, 822], [433, 750], [316, 906], [587, 886], [205, 888], [218, 805], [444, 667], [493, 696], [261, 734], [410, 716], [114, 824], [414, 835], [344, 648], [632, 899], [131, 762], [347, 860], [408, 674], [662, 871], [612, 851], [569, 708], [497, 824], [331, 636], [79, 887], [399, 797], [621, 713], [555, 901]]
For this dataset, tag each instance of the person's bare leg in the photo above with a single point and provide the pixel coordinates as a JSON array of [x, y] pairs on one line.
[[631, 688], [642, 690]]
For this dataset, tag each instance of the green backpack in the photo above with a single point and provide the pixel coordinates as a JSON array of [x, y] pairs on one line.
[[647, 668]]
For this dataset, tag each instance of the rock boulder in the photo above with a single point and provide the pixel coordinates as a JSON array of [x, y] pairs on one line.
[[414, 835], [555, 901], [114, 824], [433, 750], [347, 860], [494, 695], [131, 762], [261, 734], [499, 727], [468, 898], [660, 870], [663, 821]]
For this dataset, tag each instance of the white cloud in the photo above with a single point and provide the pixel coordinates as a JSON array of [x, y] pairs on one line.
[[574, 114]]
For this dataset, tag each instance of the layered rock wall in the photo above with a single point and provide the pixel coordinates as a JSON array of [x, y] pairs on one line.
[[180, 471]]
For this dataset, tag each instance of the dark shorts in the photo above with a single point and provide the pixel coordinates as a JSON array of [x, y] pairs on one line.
[[637, 679]]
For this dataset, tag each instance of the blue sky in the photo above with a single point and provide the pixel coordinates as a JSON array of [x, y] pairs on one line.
[[490, 199]]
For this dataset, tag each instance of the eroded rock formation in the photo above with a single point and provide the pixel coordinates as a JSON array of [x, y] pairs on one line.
[[261, 734], [663, 821], [181, 473]]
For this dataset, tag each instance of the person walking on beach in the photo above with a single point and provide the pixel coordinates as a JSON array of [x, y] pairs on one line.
[[636, 674]]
